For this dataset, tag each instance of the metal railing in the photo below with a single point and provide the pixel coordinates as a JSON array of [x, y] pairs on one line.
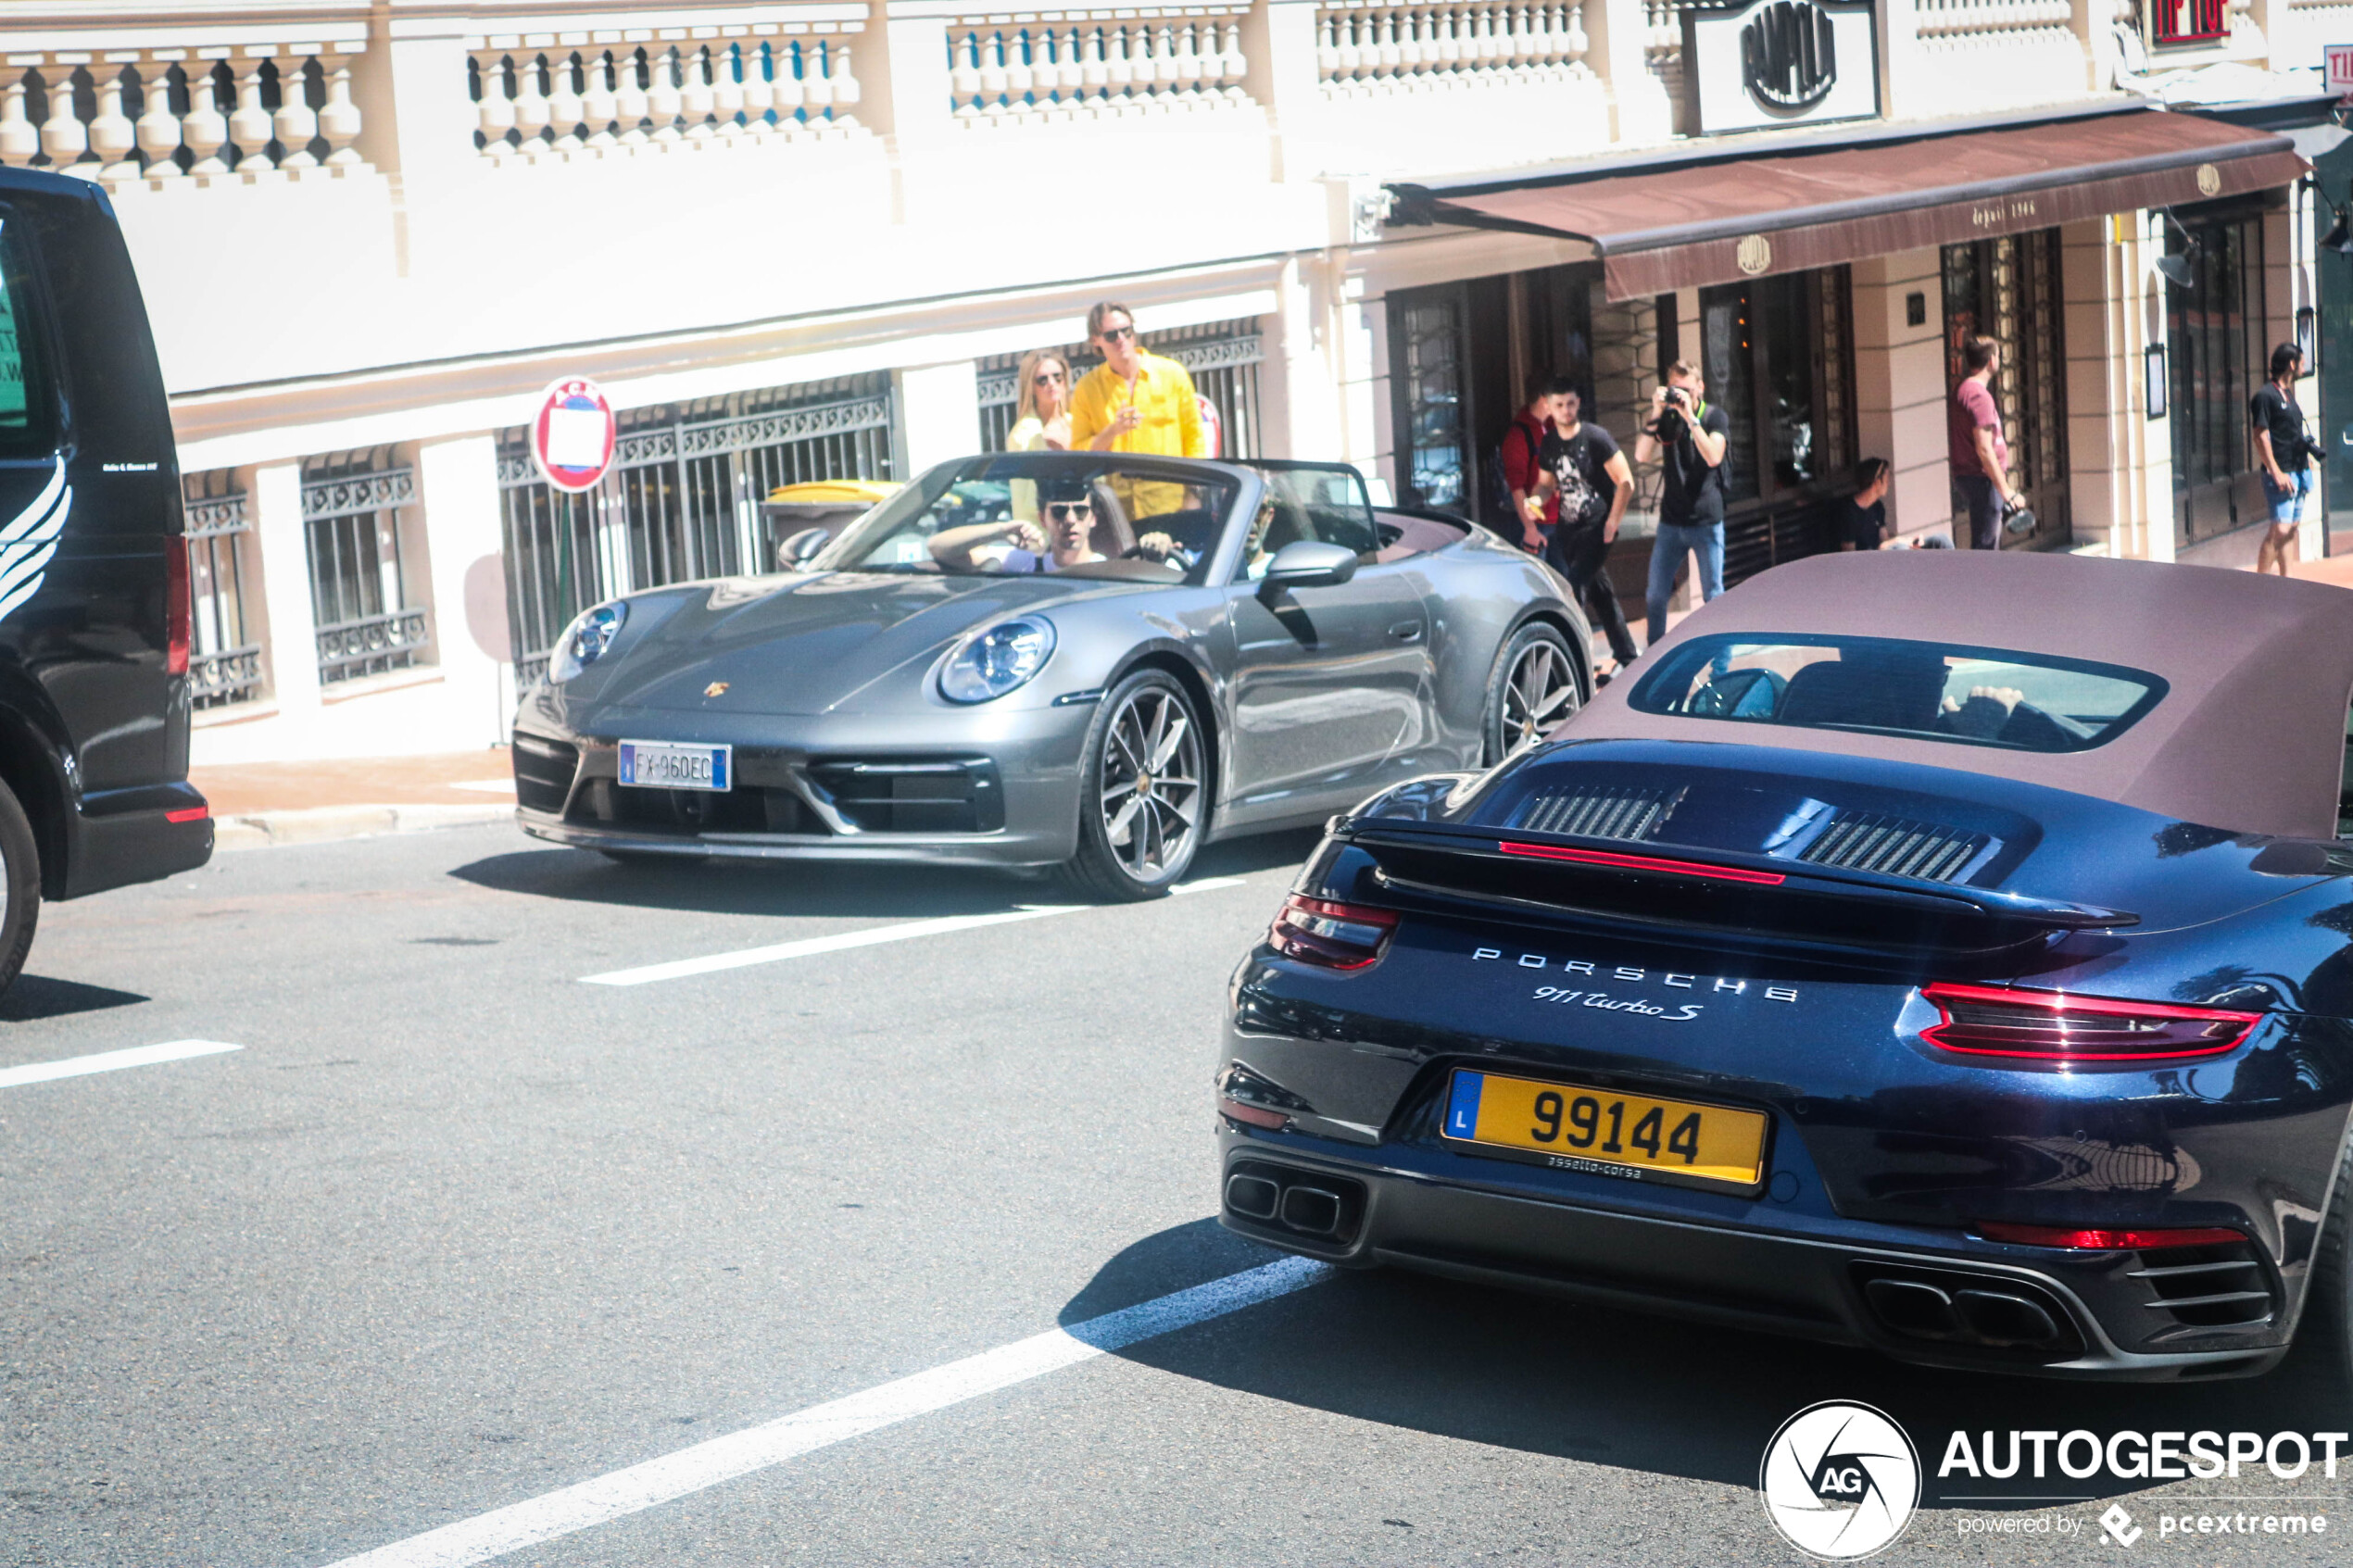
[[351, 505], [224, 661], [682, 501]]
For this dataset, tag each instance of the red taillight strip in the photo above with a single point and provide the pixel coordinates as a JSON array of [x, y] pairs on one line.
[[188, 814], [1640, 863], [2104, 1241], [2057, 1003]]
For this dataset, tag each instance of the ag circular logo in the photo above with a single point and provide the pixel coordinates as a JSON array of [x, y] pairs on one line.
[[1840, 1480], [1754, 254], [2209, 180]]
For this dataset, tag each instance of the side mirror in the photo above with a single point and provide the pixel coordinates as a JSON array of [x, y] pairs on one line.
[[796, 551], [1309, 563]]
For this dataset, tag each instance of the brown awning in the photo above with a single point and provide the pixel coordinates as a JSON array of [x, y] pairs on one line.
[[1719, 221]]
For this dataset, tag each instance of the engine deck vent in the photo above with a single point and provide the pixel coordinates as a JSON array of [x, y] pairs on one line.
[[1602, 813], [1866, 841]]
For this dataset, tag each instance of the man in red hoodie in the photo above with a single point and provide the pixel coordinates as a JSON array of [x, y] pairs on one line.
[[1535, 505]]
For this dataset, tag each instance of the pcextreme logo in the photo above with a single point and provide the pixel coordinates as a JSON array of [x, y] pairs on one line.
[[1840, 1480]]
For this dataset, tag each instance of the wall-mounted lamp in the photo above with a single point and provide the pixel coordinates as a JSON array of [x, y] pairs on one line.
[[2340, 235], [2153, 390], [2175, 270]]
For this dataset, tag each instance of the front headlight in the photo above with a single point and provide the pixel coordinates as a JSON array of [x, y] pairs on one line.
[[584, 641], [999, 660]]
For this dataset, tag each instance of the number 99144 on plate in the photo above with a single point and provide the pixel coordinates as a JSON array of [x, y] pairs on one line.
[[1580, 1128]]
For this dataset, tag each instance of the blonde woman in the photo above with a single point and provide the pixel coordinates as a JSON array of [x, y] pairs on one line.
[[1042, 419]]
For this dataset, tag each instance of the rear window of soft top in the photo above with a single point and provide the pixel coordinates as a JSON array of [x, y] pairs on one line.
[[1885, 686]]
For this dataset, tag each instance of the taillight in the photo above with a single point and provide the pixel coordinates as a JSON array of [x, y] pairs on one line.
[[1331, 935], [177, 606], [2103, 1241], [2053, 1026]]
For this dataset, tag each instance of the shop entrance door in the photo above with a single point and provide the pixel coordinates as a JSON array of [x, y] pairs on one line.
[[2009, 290]]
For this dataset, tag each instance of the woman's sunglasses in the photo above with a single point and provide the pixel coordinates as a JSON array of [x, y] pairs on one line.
[[1042, 377], [1069, 510]]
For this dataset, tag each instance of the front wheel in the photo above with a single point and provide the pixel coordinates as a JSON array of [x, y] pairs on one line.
[[1144, 797], [1533, 688], [19, 884]]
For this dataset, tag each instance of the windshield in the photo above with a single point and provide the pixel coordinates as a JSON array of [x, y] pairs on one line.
[[1033, 513], [1928, 691]]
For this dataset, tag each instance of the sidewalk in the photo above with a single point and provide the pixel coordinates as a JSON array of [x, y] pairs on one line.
[[256, 804]]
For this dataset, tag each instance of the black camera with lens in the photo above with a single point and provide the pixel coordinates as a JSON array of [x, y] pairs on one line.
[[1674, 415]]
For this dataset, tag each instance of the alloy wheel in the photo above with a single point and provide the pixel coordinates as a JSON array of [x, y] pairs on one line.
[[1152, 784], [1540, 692]]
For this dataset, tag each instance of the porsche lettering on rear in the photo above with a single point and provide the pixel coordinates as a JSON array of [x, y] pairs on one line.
[[1631, 974]]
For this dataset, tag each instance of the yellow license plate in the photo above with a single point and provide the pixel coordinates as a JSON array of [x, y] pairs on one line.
[[1579, 1128]]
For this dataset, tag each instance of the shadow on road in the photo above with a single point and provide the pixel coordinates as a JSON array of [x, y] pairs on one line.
[[819, 888], [36, 997], [1644, 1393]]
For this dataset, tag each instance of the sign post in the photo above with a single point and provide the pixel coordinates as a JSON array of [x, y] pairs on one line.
[[573, 436]]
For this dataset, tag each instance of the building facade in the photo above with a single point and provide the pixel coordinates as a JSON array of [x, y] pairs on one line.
[[809, 240]]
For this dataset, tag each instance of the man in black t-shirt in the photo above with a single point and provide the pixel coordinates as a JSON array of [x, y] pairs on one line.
[[2286, 450], [1687, 436], [1585, 469], [1863, 516]]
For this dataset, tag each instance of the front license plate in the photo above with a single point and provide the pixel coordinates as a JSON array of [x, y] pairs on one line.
[[653, 764], [1628, 1135]]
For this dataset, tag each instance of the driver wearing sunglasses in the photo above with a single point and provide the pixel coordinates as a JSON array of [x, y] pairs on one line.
[[1062, 536]]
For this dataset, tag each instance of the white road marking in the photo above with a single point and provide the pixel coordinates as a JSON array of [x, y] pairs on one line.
[[106, 1061], [705, 1465], [872, 935], [488, 786]]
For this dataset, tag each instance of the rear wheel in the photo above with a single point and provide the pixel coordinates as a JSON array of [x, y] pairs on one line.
[[1533, 688], [2324, 1349], [19, 884], [1144, 797]]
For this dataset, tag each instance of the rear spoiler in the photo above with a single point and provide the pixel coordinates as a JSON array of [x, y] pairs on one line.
[[1753, 897]]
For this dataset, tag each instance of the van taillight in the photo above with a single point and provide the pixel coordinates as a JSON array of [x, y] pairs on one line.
[[1331, 935], [177, 606], [2053, 1026]]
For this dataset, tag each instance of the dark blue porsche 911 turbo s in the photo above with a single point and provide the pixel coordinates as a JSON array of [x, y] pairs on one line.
[[1942, 953]]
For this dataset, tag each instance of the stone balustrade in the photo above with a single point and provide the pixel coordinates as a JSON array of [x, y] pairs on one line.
[[1946, 19], [618, 92], [156, 117], [1364, 48], [1093, 66]]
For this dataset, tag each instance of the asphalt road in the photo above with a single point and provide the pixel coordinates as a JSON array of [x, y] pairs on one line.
[[456, 1230]]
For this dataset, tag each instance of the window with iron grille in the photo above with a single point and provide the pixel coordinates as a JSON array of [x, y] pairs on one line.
[[359, 590], [682, 501], [1221, 356], [224, 656]]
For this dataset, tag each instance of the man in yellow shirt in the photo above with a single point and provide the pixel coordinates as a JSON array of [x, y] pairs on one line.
[[1133, 401]]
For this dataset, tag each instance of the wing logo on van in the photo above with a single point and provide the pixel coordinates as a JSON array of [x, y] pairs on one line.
[[30, 539]]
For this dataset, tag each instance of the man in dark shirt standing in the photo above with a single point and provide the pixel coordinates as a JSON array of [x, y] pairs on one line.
[[2285, 450], [1591, 486], [1688, 436]]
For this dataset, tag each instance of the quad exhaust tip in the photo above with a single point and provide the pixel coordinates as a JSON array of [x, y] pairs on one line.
[[1308, 1204], [1994, 1314]]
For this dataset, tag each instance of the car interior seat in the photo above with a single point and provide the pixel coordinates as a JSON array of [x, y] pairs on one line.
[[1873, 694], [1114, 536]]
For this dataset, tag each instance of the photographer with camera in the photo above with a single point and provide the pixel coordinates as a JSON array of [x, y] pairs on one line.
[[1687, 434], [2287, 448]]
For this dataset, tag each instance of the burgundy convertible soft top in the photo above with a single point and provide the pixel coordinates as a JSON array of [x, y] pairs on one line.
[[2251, 737]]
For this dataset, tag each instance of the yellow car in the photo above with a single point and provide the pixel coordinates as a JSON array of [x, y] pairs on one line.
[[799, 518]]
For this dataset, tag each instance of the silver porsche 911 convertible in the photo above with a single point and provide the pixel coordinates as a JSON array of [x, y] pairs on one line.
[[1100, 661]]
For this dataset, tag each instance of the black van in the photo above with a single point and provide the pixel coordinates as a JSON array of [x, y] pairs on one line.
[[94, 572]]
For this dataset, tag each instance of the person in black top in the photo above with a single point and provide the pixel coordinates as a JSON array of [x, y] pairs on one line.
[[1687, 435], [1862, 517], [1589, 476], [2287, 450]]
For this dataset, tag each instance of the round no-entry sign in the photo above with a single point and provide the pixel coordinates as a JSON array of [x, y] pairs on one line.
[[572, 438]]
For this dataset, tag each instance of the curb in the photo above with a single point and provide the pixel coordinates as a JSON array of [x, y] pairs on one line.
[[321, 824]]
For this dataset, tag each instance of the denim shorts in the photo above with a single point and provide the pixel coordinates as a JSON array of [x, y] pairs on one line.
[[2287, 506]]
